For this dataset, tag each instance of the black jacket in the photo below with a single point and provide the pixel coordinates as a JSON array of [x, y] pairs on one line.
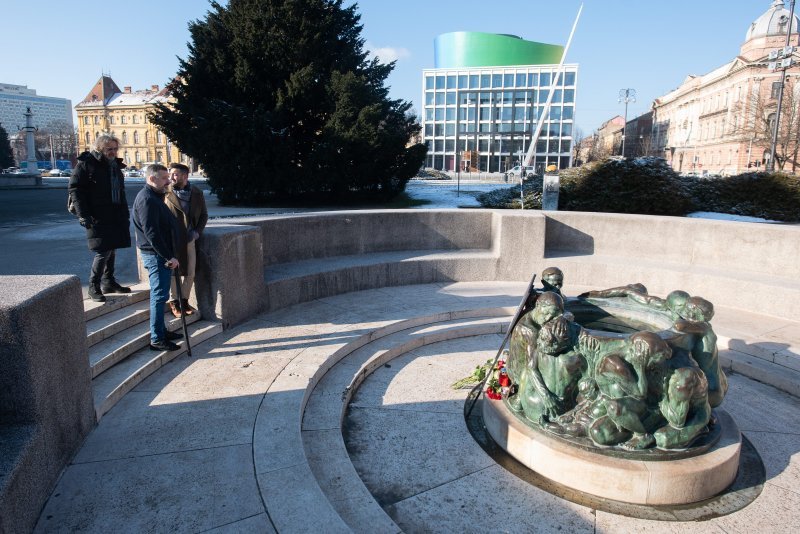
[[90, 189], [156, 226]]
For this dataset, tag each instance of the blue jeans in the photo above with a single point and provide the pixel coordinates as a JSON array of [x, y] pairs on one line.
[[159, 293]]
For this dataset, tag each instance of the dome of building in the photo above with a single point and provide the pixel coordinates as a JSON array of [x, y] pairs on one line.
[[773, 22]]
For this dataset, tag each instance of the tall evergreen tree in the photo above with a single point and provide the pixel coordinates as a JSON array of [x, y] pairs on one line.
[[278, 100], [6, 155]]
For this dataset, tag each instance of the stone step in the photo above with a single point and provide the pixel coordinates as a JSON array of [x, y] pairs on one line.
[[113, 350], [112, 323], [109, 387], [323, 383], [115, 301]]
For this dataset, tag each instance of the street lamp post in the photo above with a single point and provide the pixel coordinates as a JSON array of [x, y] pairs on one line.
[[625, 96], [785, 64]]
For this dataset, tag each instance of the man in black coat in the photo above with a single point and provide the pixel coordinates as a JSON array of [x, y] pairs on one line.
[[97, 193], [156, 232]]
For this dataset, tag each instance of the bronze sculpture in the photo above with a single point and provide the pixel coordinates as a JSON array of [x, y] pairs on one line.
[[630, 391]]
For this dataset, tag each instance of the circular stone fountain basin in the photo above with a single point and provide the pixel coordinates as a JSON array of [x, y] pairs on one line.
[[649, 477]]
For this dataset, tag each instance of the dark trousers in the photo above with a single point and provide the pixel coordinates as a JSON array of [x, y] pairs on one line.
[[103, 267]]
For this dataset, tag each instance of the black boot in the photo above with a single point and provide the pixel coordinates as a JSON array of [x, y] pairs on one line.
[[95, 294], [114, 287]]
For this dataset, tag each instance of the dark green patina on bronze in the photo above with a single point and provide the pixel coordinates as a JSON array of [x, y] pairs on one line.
[[619, 371]]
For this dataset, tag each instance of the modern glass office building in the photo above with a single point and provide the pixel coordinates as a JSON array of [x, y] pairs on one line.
[[484, 97]]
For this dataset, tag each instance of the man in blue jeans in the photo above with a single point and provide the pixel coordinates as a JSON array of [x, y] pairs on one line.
[[156, 228]]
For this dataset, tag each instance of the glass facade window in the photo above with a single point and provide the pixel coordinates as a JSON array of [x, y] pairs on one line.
[[495, 111]]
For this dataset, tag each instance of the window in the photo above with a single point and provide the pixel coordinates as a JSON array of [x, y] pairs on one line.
[[776, 88], [569, 79], [439, 99], [486, 81], [569, 96], [544, 79], [508, 80], [135, 138], [158, 157], [450, 115], [125, 138], [429, 98], [111, 119], [146, 138], [429, 82], [97, 119], [138, 158], [86, 121], [136, 119], [473, 81], [440, 82], [451, 81], [122, 120], [439, 115], [497, 80], [533, 80], [462, 81], [159, 137], [88, 139], [451, 99]]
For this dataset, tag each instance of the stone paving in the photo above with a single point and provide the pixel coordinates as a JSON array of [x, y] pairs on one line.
[[243, 437]]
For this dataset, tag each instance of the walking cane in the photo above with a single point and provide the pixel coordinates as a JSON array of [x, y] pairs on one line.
[[503, 344], [183, 315]]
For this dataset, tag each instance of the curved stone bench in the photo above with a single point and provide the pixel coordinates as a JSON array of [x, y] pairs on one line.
[[269, 263]]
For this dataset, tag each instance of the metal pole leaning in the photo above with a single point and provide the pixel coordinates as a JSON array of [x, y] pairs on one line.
[[183, 314], [516, 318]]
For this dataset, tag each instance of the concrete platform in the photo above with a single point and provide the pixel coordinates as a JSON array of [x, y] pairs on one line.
[[246, 436]]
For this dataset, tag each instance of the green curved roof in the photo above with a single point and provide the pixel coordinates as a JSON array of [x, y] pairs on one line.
[[478, 49]]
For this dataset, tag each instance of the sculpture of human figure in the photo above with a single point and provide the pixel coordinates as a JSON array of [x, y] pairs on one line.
[[549, 385], [698, 314], [685, 406], [674, 303], [553, 280], [621, 412], [545, 307], [548, 306]]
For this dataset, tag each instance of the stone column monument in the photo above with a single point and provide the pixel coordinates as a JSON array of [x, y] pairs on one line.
[[30, 144]]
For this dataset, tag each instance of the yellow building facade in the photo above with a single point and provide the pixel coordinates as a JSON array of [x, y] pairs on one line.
[[123, 113]]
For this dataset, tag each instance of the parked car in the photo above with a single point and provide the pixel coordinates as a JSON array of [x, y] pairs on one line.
[[54, 172], [517, 171], [133, 174]]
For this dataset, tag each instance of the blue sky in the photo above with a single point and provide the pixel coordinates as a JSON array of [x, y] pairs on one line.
[[61, 47]]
